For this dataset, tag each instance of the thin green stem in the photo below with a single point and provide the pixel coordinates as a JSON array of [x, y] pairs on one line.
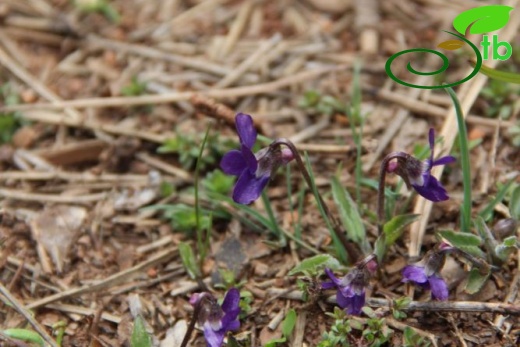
[[201, 245], [465, 219], [351, 250], [272, 218], [382, 182]]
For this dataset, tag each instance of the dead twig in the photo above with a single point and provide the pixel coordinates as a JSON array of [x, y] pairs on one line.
[[256, 89], [115, 279], [11, 300], [70, 199], [428, 306]]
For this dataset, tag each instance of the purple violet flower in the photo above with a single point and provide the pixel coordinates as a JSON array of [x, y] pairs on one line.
[[350, 293], [217, 320], [417, 274], [426, 273], [253, 170], [417, 173]]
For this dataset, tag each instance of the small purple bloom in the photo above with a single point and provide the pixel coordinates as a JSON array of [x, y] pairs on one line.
[[426, 273], [253, 170], [418, 174], [217, 320], [350, 293], [417, 274]]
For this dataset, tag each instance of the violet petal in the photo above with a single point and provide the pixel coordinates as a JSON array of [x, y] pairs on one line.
[[415, 274], [231, 300], [249, 159], [444, 160], [213, 338], [432, 191], [438, 287], [248, 187], [328, 285], [342, 300], [356, 304], [233, 163], [245, 129], [333, 278]]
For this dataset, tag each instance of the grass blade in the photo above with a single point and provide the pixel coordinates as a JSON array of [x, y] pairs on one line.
[[487, 212], [465, 219], [349, 215], [201, 245], [340, 250]]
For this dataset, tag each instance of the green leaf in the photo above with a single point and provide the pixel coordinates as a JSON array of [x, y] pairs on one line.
[[340, 250], [394, 228], [503, 76], [465, 211], [218, 182], [481, 20], [273, 342], [314, 264], [369, 312], [487, 212], [8, 126], [487, 236], [506, 248], [189, 260], [288, 323], [514, 203], [510, 241], [380, 247], [140, 337], [473, 250], [460, 240], [232, 342], [25, 335], [348, 213], [475, 281]]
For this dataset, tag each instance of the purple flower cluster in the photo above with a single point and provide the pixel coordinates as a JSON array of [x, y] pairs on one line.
[[433, 281], [417, 174], [253, 170], [351, 288], [426, 273], [217, 320]]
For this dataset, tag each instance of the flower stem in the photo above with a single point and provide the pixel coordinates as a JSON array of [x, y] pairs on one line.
[[191, 327], [381, 189], [353, 252], [272, 218], [202, 246], [465, 218]]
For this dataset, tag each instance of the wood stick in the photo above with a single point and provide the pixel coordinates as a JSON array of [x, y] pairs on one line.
[[115, 279], [27, 315], [261, 88]]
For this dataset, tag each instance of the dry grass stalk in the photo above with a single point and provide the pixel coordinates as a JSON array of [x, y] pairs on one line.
[[83, 311], [108, 282], [436, 111], [12, 301], [236, 73], [367, 17], [65, 199], [260, 88]]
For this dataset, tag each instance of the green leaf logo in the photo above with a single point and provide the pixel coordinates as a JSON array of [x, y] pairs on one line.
[[481, 20]]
